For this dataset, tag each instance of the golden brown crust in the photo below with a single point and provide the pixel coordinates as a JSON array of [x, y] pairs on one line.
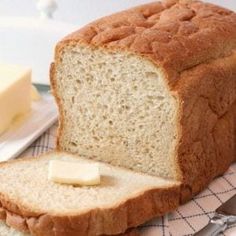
[[113, 221], [132, 232], [58, 102], [110, 221], [176, 35], [16, 221], [207, 122], [19, 225], [2, 214]]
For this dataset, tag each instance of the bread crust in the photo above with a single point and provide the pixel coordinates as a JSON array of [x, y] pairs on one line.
[[207, 122], [176, 35], [98, 221], [113, 220], [52, 76], [130, 232], [188, 41]]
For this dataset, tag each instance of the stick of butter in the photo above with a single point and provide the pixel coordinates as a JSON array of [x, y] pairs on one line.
[[15, 93], [68, 172]]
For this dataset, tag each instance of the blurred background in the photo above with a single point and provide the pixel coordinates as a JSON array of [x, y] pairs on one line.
[[81, 11]]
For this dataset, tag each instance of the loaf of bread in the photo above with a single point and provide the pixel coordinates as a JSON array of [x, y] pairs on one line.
[[32, 204], [152, 89]]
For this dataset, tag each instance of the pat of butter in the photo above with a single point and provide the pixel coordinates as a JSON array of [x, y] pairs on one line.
[[67, 172], [15, 93]]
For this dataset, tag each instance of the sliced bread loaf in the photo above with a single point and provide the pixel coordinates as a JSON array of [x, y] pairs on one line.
[[152, 89], [31, 203]]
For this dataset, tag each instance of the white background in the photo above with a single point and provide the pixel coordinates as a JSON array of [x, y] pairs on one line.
[[80, 12]]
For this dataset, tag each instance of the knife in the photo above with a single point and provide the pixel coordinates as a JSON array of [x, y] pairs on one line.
[[224, 216], [42, 88]]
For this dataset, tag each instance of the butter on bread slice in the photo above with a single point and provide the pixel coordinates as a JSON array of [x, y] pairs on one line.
[[72, 172]]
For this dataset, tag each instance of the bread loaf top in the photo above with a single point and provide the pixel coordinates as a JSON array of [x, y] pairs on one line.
[[176, 34]]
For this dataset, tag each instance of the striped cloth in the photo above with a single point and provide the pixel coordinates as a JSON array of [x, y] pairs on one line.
[[188, 218]]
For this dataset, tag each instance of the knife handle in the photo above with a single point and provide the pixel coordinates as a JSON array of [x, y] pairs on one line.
[[217, 225], [211, 229]]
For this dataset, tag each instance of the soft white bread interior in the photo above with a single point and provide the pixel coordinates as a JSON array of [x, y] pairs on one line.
[[123, 199], [117, 108]]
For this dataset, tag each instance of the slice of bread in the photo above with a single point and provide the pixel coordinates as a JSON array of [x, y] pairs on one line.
[[152, 89], [125, 199]]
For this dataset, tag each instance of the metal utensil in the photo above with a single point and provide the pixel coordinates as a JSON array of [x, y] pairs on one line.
[[42, 88], [224, 216]]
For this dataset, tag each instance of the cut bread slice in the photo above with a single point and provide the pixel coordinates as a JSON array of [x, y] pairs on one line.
[[124, 199]]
